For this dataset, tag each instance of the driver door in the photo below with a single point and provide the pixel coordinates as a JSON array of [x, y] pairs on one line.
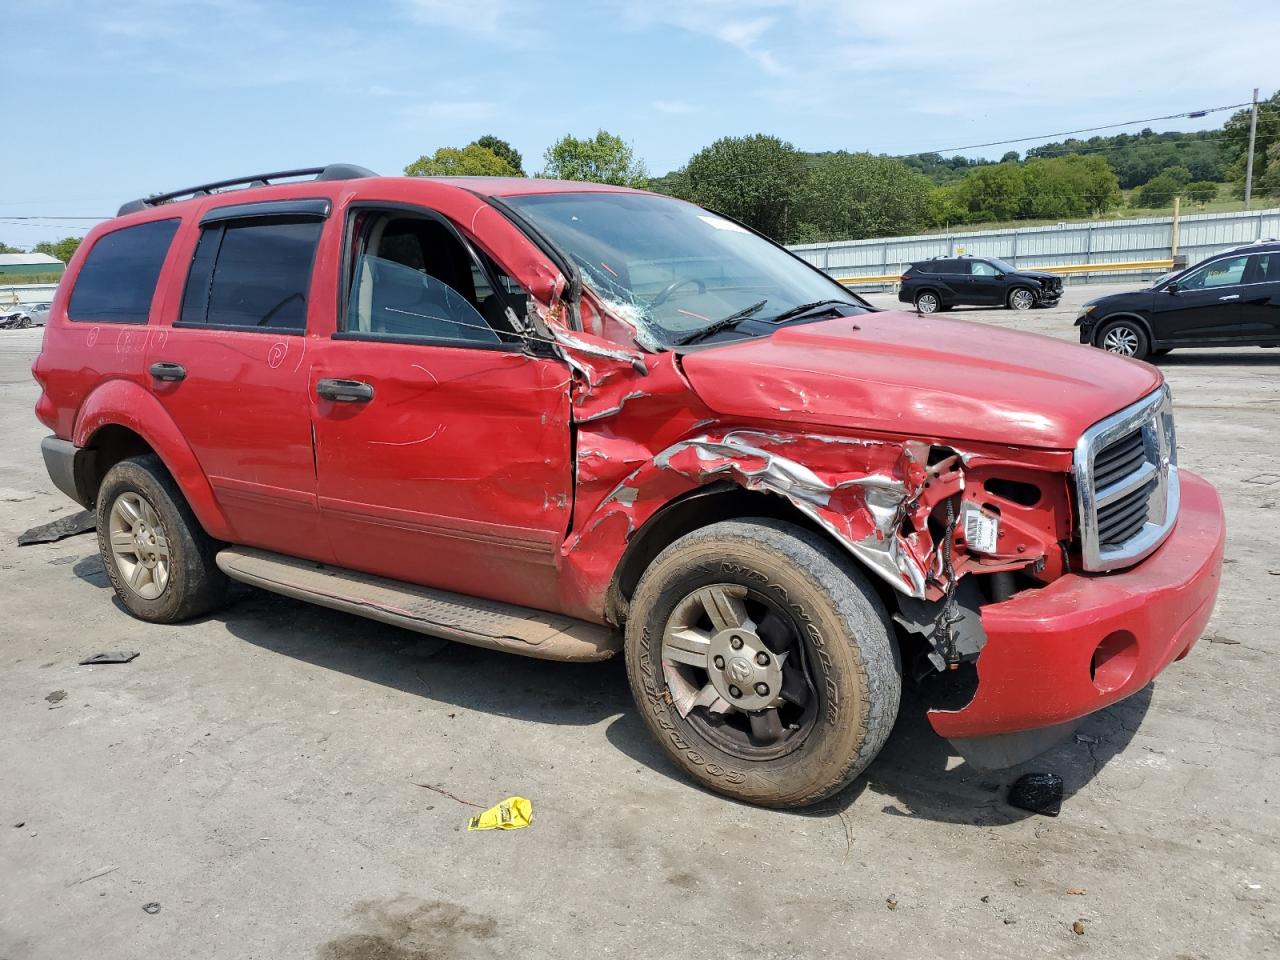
[[985, 283]]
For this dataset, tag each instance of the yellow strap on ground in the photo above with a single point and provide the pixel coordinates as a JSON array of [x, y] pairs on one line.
[[511, 814]]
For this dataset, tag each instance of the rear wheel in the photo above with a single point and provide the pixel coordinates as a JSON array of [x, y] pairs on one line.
[[1020, 298], [927, 302], [761, 660], [1124, 338], [159, 559]]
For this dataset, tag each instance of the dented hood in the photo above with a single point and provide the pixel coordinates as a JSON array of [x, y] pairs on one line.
[[924, 377]]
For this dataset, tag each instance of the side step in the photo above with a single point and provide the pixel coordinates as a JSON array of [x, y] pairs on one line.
[[482, 623]]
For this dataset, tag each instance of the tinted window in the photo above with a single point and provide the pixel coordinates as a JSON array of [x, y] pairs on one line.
[[1267, 268], [254, 273], [118, 279], [952, 266], [1220, 273]]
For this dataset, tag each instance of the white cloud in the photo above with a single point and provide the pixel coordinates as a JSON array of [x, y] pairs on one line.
[[673, 106]]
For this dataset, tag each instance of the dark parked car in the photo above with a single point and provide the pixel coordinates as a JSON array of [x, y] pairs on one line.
[[945, 282], [1230, 300]]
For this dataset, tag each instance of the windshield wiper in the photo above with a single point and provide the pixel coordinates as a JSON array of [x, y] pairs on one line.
[[806, 308], [724, 323]]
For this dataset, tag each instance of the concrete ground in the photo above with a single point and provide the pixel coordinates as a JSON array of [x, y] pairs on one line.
[[255, 775]]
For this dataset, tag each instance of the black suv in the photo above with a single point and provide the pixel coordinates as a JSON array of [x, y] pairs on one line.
[[1232, 299], [945, 282]]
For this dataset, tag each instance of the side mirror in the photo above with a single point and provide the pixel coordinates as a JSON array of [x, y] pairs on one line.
[[1171, 289]]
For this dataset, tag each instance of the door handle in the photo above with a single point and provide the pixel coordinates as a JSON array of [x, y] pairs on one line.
[[345, 391], [1234, 296], [168, 372]]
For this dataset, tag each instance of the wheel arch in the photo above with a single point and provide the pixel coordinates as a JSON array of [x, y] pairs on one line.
[[710, 504], [119, 419], [1143, 322]]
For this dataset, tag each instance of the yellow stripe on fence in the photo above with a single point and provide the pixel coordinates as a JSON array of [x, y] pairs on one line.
[[1064, 268]]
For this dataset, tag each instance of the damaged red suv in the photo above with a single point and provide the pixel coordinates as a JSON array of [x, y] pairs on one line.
[[568, 421]]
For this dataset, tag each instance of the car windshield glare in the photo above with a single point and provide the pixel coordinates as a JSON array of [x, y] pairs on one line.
[[1002, 266], [669, 268]]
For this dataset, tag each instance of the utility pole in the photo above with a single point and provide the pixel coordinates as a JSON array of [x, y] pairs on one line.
[[1248, 164]]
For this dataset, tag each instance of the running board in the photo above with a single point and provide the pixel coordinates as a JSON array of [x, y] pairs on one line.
[[482, 623]]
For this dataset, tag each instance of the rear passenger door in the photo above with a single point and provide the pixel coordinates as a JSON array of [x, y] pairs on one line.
[[1260, 299], [231, 369], [442, 445]]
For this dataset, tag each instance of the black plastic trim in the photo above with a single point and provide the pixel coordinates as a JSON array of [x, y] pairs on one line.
[[428, 341], [315, 209], [332, 171], [241, 328]]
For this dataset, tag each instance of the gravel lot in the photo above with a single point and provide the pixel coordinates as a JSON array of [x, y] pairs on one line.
[[254, 774]]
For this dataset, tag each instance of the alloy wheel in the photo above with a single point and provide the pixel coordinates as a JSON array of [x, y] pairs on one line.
[[927, 303], [1121, 340], [738, 671], [1022, 300], [139, 545]]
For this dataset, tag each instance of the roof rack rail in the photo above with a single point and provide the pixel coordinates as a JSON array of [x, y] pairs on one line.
[[333, 171]]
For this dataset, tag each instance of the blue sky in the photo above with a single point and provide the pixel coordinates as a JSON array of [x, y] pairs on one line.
[[130, 97]]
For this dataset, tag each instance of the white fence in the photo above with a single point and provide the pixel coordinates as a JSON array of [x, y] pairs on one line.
[[1101, 242]]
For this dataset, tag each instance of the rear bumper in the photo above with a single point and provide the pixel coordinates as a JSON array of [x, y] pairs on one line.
[[1084, 642]]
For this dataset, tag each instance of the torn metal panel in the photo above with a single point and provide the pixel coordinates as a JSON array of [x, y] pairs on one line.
[[871, 495]]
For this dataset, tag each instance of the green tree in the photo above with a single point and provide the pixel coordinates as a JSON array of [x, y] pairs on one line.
[[1159, 191], [1011, 156], [849, 196], [1236, 134], [757, 179], [472, 160], [63, 249], [1269, 181], [604, 158], [5, 248], [504, 150], [1200, 191]]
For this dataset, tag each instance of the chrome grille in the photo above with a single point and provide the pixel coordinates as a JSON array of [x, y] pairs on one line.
[[1126, 478]]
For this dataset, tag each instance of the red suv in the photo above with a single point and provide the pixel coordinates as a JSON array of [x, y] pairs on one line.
[[568, 420]]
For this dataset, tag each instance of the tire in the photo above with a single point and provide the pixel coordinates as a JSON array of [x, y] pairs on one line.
[[840, 673], [140, 513], [945, 307], [1021, 298], [1125, 338], [927, 302], [1161, 352]]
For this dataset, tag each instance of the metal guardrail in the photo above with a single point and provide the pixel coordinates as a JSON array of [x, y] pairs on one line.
[[1066, 269]]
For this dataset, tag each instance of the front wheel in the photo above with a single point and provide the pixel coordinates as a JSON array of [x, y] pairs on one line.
[[763, 662], [1124, 338], [1020, 298]]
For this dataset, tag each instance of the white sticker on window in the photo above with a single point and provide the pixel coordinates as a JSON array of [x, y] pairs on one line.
[[981, 531], [721, 224]]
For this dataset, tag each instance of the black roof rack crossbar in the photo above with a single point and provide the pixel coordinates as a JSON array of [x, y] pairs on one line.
[[333, 171]]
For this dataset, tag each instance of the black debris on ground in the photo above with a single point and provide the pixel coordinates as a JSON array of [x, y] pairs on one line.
[[69, 526], [111, 656], [1037, 792]]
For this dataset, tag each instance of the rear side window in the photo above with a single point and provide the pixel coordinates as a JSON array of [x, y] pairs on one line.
[[253, 274], [118, 278]]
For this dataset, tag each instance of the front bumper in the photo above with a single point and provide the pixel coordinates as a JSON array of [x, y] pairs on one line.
[[1085, 641]]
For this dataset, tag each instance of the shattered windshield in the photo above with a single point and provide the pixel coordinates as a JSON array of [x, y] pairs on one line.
[[672, 269]]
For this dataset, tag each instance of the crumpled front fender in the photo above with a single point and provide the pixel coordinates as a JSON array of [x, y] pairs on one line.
[[872, 496]]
